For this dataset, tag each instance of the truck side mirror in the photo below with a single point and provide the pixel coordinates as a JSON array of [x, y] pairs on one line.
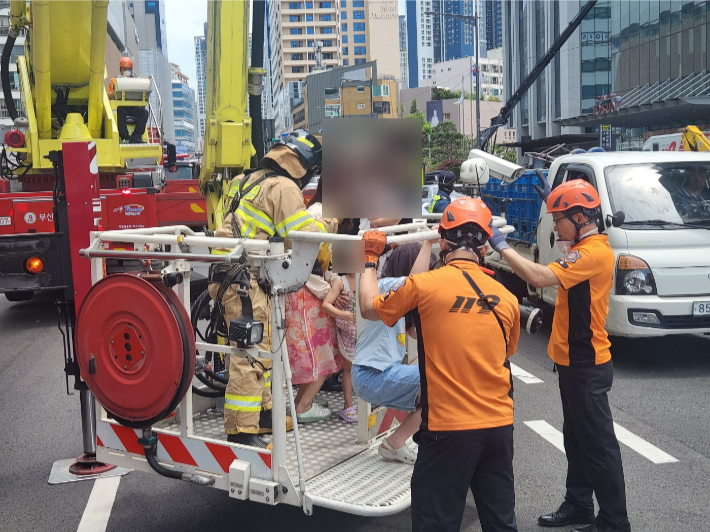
[[616, 220], [172, 157]]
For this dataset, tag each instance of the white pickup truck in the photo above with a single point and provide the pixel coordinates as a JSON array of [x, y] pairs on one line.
[[662, 246]]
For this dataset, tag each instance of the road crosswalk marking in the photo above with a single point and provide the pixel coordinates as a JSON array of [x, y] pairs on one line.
[[641, 446], [520, 373], [547, 431], [625, 436]]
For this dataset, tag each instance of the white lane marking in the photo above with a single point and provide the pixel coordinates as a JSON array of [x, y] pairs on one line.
[[98, 509], [641, 446], [547, 431], [520, 373]]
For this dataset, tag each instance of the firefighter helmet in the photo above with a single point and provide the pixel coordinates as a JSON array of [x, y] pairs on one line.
[[463, 211], [307, 147], [576, 193]]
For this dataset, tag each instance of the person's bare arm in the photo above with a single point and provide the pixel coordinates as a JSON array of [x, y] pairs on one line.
[[383, 222], [330, 298], [423, 261], [535, 274], [368, 292]]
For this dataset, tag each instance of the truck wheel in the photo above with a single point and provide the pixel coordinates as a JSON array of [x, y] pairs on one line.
[[20, 295]]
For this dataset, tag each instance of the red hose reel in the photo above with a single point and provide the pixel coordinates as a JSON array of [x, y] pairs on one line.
[[135, 347]]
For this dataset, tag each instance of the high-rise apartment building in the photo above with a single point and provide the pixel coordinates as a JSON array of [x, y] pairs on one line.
[[493, 23], [201, 67], [183, 111], [433, 38], [350, 32], [637, 66]]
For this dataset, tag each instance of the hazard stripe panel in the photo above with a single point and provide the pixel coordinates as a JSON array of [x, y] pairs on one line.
[[206, 456]]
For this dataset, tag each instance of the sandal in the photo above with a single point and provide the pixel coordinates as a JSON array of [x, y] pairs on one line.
[[404, 454], [349, 414]]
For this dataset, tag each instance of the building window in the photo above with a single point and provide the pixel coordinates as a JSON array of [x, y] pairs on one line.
[[359, 38], [309, 18], [358, 61], [296, 31], [332, 110], [296, 44], [361, 89], [346, 62], [309, 5], [294, 5], [358, 14], [297, 70], [344, 27], [329, 55], [345, 39], [358, 26], [344, 15], [360, 50], [361, 106], [381, 90], [310, 31], [359, 3], [345, 50], [381, 108], [296, 57], [324, 5], [294, 18], [324, 18], [343, 3], [327, 43], [326, 31]]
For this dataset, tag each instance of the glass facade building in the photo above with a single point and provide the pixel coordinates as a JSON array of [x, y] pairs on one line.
[[639, 65]]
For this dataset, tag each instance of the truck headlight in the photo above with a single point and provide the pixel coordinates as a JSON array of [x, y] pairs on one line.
[[246, 332], [634, 277]]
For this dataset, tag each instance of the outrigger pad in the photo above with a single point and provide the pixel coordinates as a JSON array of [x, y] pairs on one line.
[[136, 348]]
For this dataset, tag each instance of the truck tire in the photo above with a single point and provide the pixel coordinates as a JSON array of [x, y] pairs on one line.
[[19, 295]]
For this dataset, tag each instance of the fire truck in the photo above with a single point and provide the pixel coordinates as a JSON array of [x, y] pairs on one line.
[[64, 100]]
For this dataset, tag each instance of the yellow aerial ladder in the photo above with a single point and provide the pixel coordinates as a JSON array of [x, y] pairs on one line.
[[228, 149], [695, 140], [62, 83]]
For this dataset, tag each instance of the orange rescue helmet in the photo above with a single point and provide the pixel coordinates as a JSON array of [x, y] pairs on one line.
[[466, 210], [576, 193], [126, 62]]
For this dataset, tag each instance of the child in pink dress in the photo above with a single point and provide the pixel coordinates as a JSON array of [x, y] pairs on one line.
[[346, 327]]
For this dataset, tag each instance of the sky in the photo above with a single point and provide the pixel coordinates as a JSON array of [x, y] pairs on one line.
[[184, 20]]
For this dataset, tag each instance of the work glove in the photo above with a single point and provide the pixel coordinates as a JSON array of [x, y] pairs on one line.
[[375, 243], [544, 189], [497, 241]]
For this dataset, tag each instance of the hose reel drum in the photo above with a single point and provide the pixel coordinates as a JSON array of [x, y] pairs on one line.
[[135, 348]]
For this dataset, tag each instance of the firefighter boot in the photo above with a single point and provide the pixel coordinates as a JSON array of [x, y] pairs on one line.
[[265, 424], [252, 440]]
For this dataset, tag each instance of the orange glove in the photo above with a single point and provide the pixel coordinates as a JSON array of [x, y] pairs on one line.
[[375, 242]]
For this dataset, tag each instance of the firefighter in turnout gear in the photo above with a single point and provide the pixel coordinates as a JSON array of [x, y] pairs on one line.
[[579, 347], [264, 203]]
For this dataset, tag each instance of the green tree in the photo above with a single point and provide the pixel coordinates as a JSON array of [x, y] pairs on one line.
[[509, 154], [446, 143], [402, 112], [413, 109]]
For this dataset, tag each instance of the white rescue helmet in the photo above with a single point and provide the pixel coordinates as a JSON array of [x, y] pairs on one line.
[[475, 171]]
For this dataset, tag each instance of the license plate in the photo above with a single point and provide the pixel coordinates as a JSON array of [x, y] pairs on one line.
[[701, 308], [5, 220]]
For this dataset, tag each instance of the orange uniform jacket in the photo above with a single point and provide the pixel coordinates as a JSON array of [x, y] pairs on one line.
[[586, 275], [465, 376]]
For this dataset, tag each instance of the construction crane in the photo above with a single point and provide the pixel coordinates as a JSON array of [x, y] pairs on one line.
[[538, 69]]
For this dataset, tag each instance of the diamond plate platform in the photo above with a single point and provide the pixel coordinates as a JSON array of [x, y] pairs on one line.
[[324, 444]]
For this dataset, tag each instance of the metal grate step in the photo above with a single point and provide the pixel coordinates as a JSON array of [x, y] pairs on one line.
[[365, 484]]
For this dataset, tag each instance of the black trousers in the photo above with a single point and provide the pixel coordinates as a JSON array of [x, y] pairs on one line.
[[139, 114], [593, 454], [451, 463]]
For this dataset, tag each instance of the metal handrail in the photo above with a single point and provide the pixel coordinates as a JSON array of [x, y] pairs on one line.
[[159, 118]]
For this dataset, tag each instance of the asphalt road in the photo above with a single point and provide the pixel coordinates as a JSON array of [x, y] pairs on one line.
[[661, 395]]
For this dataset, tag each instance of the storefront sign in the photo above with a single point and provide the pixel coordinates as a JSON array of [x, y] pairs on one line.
[[605, 136], [595, 37]]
